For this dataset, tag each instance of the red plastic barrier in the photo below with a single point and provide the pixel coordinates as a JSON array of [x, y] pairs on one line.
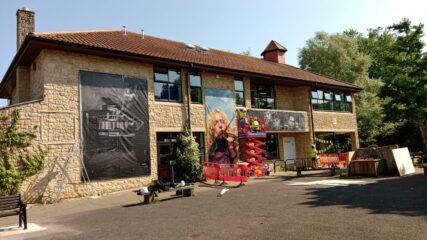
[[331, 159], [225, 172]]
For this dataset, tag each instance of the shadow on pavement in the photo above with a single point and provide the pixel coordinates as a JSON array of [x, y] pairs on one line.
[[403, 196]]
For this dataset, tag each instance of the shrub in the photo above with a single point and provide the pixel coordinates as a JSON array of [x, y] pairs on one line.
[[16, 162]]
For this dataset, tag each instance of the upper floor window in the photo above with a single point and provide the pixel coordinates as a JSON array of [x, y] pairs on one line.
[[262, 96], [167, 84], [331, 101], [239, 92], [195, 88]]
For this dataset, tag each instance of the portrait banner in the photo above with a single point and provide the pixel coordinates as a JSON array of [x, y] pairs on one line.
[[221, 132]]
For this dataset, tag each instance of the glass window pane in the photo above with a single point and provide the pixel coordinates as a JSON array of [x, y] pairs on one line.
[[319, 94], [175, 92], [270, 103], [262, 103], [238, 85], [195, 80], [315, 104], [338, 97], [240, 99], [254, 102], [174, 76], [161, 90], [160, 74], [336, 106], [164, 149], [328, 105], [320, 104], [328, 96], [314, 94], [348, 98], [161, 136], [271, 146], [196, 94]]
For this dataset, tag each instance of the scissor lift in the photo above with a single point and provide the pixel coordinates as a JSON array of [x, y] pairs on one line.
[[250, 136]]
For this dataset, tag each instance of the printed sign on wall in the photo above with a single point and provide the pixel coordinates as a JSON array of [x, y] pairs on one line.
[[280, 120], [221, 132], [115, 125]]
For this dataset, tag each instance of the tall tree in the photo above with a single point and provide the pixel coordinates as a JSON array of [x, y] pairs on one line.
[[338, 56], [404, 73]]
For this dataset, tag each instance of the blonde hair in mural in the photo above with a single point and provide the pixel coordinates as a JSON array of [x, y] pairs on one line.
[[211, 123]]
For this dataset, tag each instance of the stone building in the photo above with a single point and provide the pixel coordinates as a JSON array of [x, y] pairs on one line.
[[78, 88]]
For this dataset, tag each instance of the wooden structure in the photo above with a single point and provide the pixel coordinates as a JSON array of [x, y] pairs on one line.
[[365, 167]]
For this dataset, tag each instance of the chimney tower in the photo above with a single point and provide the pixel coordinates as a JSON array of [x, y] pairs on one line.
[[25, 25], [274, 52]]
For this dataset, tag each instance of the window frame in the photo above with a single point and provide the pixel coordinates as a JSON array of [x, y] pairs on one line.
[[337, 101], [236, 91], [276, 150], [255, 95], [199, 88], [168, 82]]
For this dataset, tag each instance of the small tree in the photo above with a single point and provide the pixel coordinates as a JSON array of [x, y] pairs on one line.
[[16, 163], [187, 158]]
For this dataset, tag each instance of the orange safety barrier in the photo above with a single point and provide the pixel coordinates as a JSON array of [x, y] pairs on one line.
[[225, 172], [333, 159]]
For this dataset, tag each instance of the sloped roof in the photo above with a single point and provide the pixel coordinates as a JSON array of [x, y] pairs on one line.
[[274, 46], [148, 46]]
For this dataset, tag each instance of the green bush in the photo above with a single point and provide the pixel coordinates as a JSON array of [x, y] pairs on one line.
[[16, 163], [187, 158]]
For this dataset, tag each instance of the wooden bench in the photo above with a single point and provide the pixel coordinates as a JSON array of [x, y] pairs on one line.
[[185, 191], [13, 205]]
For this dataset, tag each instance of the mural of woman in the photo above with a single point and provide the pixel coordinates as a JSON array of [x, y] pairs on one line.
[[222, 143]]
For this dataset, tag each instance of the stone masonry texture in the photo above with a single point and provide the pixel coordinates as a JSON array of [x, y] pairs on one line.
[[50, 108]]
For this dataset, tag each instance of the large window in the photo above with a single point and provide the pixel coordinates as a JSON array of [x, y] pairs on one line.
[[331, 101], [262, 96], [239, 92], [271, 146], [195, 88], [167, 84]]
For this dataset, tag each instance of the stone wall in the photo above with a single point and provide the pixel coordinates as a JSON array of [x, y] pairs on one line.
[[334, 122], [31, 120], [56, 76]]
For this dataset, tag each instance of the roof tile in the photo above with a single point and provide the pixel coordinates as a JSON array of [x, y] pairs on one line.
[[134, 43]]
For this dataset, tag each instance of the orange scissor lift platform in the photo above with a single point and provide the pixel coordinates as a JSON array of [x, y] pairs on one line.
[[251, 131]]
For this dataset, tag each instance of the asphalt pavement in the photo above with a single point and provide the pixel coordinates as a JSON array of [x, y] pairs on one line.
[[314, 206]]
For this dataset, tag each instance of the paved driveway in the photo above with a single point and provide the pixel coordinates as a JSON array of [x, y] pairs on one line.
[[311, 207]]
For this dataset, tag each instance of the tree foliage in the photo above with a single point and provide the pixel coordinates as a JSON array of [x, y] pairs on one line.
[[338, 56], [16, 163], [335, 55], [401, 64], [187, 158]]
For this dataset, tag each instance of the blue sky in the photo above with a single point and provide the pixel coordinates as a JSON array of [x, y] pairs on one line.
[[231, 25]]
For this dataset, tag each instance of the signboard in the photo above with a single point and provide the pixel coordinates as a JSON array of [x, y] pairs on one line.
[[114, 125], [280, 121]]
